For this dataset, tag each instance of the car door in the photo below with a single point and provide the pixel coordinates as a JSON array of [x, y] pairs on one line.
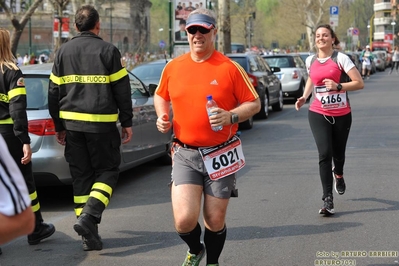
[[301, 66], [271, 80], [147, 141]]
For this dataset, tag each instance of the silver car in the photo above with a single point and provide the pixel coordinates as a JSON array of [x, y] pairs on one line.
[[150, 72], [49, 165], [293, 74]]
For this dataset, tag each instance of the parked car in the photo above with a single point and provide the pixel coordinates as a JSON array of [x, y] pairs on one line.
[[237, 48], [264, 80], [303, 55], [150, 72], [49, 165], [293, 74], [355, 57], [379, 62]]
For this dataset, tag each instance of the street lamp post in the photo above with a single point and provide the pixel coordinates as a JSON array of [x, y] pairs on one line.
[[393, 23], [371, 29], [368, 29]]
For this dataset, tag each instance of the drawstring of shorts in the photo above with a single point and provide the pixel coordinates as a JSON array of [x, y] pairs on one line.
[[328, 120]]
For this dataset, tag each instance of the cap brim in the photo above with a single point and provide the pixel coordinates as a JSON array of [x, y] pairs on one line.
[[201, 20], [201, 24]]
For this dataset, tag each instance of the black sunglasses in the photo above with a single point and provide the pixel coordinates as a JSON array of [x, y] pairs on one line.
[[194, 29]]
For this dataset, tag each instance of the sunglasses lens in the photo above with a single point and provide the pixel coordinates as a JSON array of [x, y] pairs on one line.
[[202, 30]]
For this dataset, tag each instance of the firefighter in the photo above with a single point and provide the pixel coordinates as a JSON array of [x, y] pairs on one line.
[[14, 129], [89, 91]]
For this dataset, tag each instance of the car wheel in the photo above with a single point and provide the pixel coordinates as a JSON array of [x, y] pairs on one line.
[[279, 106], [248, 124], [264, 108]]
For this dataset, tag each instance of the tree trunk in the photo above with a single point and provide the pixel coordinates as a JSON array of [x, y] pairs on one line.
[[18, 25], [224, 29]]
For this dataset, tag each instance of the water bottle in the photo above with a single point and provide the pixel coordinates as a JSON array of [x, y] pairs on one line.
[[210, 104]]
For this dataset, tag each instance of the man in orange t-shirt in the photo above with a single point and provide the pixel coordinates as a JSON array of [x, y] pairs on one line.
[[185, 84]]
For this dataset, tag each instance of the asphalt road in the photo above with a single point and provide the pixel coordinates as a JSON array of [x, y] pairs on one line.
[[275, 219]]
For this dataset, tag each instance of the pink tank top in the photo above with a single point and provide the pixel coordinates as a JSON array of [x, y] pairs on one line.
[[331, 103]]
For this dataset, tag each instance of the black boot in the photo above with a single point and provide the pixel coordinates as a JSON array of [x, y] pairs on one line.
[[86, 226], [41, 232]]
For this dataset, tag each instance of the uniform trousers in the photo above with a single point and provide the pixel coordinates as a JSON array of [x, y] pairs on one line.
[[15, 145], [94, 160]]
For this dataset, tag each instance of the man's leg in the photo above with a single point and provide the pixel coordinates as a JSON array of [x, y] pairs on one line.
[[186, 205], [215, 228]]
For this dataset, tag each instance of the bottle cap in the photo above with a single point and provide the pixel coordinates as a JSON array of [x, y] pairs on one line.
[[209, 97]]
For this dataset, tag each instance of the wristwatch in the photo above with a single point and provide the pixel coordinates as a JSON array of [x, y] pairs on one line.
[[234, 118], [339, 87]]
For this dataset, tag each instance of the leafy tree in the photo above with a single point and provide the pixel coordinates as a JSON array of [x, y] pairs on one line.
[[18, 24]]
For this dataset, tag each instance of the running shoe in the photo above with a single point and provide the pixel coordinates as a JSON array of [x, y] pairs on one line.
[[339, 184], [328, 208], [192, 259]]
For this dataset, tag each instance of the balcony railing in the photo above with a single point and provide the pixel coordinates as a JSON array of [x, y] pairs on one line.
[[382, 21], [382, 6]]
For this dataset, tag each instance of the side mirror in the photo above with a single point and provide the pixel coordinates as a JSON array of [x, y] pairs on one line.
[[152, 88]]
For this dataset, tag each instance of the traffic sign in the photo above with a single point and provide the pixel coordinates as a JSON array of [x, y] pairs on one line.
[[355, 31], [334, 10], [334, 20], [162, 44]]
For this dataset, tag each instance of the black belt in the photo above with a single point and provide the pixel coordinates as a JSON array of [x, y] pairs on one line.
[[185, 145]]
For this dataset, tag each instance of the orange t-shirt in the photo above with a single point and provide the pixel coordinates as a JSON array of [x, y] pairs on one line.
[[186, 84]]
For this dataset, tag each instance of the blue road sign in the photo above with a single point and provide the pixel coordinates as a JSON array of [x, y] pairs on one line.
[[333, 10], [162, 44]]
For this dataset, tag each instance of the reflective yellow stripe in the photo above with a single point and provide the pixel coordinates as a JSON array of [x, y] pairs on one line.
[[33, 196], [4, 98], [78, 211], [55, 79], [101, 79], [7, 121], [103, 187], [80, 199], [88, 117], [15, 92], [100, 197], [118, 75], [36, 207]]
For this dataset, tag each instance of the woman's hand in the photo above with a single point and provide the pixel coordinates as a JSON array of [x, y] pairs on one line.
[[299, 102]]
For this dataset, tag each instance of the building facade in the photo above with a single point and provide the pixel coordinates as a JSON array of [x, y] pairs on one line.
[[383, 21], [125, 23]]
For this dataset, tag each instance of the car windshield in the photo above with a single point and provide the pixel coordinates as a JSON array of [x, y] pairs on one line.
[[148, 71], [281, 62], [36, 92], [242, 61], [304, 56]]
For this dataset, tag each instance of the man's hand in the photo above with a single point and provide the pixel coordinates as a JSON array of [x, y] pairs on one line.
[[163, 123], [27, 154], [60, 137], [127, 134]]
